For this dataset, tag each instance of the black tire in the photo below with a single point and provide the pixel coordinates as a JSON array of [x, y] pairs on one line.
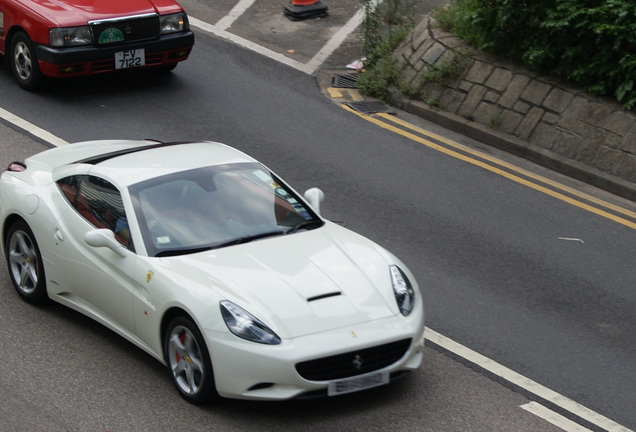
[[24, 263], [189, 362], [24, 62], [167, 69]]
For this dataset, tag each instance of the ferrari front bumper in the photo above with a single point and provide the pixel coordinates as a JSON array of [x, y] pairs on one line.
[[248, 370]]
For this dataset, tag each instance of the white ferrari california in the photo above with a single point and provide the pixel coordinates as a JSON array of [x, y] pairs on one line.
[[205, 259]]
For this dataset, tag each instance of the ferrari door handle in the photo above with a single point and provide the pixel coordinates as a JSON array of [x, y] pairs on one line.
[[58, 235]]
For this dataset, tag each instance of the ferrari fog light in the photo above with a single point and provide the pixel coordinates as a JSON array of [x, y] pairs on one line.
[[404, 293], [246, 326]]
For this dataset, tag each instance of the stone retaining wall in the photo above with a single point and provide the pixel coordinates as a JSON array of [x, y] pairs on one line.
[[542, 112]]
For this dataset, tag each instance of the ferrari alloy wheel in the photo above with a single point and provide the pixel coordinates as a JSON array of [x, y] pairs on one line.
[[24, 63], [189, 361], [25, 264]]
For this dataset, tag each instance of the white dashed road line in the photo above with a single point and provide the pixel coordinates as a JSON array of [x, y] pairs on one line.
[[209, 28], [31, 128], [220, 29], [238, 10], [556, 419], [522, 382]]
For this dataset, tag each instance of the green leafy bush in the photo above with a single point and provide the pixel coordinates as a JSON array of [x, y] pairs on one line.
[[592, 43], [386, 25]]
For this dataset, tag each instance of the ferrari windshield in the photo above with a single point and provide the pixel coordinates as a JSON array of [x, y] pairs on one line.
[[216, 206]]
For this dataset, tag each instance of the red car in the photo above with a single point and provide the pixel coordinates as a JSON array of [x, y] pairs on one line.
[[66, 38]]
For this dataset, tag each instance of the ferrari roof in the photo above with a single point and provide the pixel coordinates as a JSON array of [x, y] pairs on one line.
[[131, 162]]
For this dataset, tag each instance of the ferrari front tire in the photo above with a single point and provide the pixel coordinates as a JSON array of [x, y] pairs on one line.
[[189, 361], [25, 263]]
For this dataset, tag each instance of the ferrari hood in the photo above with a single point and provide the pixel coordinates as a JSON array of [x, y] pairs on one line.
[[302, 283]]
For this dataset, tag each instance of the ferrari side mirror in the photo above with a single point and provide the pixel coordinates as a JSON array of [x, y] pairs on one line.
[[104, 238], [315, 197]]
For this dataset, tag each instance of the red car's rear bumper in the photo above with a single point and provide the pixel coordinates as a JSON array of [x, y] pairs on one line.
[[87, 60]]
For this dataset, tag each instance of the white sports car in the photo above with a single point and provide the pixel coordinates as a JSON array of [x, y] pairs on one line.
[[204, 258]]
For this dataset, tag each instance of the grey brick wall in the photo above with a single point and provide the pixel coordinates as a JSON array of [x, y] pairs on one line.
[[543, 111]]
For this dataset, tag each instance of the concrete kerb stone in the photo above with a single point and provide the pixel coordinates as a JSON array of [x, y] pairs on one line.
[[518, 147]]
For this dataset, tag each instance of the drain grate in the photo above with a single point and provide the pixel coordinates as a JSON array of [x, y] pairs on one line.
[[344, 81], [370, 107]]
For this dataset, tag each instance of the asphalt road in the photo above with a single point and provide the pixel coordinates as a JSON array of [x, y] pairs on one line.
[[525, 278]]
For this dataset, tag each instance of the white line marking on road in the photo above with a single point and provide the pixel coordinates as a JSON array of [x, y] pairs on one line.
[[571, 239], [238, 10], [309, 68], [523, 382], [202, 25], [556, 419], [336, 40], [32, 129]]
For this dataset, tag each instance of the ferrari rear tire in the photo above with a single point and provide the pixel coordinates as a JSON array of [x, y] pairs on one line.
[[189, 361], [24, 62], [24, 262]]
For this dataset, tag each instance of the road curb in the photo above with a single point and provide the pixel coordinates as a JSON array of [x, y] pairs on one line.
[[516, 146]]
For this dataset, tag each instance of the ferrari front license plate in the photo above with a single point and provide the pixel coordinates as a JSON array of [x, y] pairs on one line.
[[362, 382], [130, 58]]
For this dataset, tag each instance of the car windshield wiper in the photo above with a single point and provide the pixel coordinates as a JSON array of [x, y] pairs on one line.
[[186, 251], [248, 238], [241, 240], [310, 224]]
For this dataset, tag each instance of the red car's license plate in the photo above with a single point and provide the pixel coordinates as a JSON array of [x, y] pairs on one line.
[[130, 58]]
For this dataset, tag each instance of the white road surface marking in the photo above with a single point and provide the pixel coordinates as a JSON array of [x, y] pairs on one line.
[[31, 128], [571, 239], [522, 382], [556, 419], [238, 10], [220, 29]]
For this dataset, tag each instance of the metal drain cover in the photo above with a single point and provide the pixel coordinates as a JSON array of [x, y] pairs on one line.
[[344, 81], [370, 107]]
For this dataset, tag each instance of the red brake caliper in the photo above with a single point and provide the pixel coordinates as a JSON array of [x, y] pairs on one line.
[[182, 338]]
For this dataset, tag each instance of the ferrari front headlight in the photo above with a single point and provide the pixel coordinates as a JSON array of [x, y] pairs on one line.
[[70, 36], [246, 326], [403, 290], [174, 23]]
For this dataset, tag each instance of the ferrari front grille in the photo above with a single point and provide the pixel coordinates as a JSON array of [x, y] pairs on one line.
[[354, 362]]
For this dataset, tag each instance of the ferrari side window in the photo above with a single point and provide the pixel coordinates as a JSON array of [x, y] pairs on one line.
[[99, 202]]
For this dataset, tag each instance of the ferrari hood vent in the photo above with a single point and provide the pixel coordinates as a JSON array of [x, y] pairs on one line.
[[324, 296]]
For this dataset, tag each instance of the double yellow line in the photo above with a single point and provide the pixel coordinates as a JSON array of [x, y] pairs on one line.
[[542, 184]]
